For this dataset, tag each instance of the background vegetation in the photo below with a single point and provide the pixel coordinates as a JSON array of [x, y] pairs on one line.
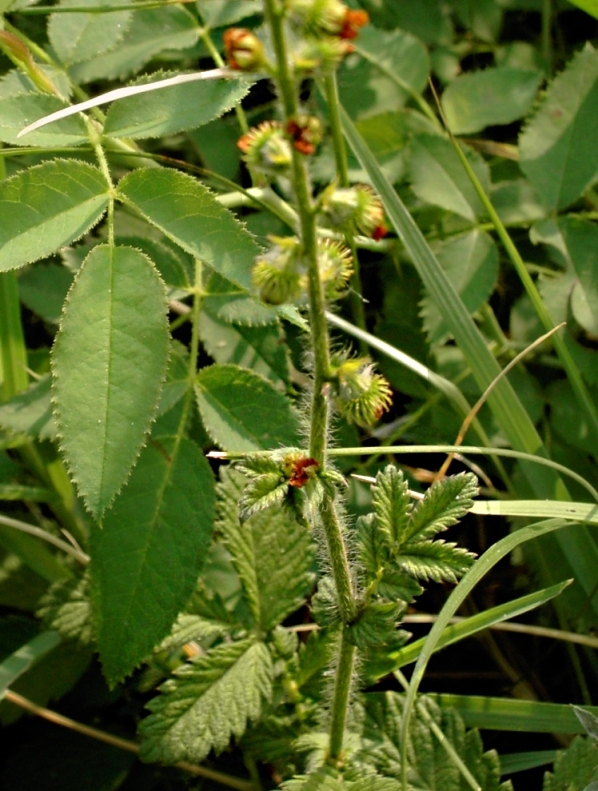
[[138, 334]]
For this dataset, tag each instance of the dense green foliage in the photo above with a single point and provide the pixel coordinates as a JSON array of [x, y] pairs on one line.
[[233, 301]]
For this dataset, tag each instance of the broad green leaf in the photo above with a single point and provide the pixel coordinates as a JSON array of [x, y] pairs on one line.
[[174, 266], [516, 201], [426, 19], [558, 155], [482, 17], [177, 378], [490, 97], [79, 37], [589, 6], [574, 768], [24, 657], [508, 714], [581, 242], [43, 288], [208, 701], [148, 554], [30, 412], [46, 207], [259, 348], [471, 264], [391, 68], [16, 82], [20, 111], [150, 31], [173, 109], [243, 411], [227, 302], [219, 13], [109, 361], [189, 214], [438, 177], [271, 552]]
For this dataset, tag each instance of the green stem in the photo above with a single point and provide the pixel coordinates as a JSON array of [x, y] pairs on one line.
[[193, 351], [204, 34], [95, 139], [342, 692], [12, 343]]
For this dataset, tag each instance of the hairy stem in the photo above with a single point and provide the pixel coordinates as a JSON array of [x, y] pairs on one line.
[[342, 692]]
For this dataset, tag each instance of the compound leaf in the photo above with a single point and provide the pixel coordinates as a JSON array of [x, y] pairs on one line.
[[242, 411], [148, 554], [108, 363], [443, 505], [190, 215], [557, 149], [207, 702], [46, 207]]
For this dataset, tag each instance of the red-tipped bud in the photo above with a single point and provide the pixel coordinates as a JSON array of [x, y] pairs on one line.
[[305, 133], [243, 49], [266, 149], [353, 20]]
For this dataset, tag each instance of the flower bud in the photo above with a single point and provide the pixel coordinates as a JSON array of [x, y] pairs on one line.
[[305, 132], [360, 395], [354, 210], [266, 150], [320, 18], [276, 273], [20, 55], [335, 265], [243, 49]]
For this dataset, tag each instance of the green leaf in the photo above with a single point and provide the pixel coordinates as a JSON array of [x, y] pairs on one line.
[[80, 37], [242, 411], [581, 240], [174, 266], [589, 6], [393, 66], [490, 97], [108, 363], [391, 503], [375, 625], [43, 288], [271, 553], [177, 378], [189, 214], [588, 720], [66, 608], [207, 702], [150, 31], [438, 177], [149, 552], [30, 412], [24, 657], [16, 82], [188, 628], [46, 207], [20, 111], [219, 13], [557, 151], [444, 503], [574, 767], [226, 301], [258, 348], [471, 263], [172, 109], [33, 553]]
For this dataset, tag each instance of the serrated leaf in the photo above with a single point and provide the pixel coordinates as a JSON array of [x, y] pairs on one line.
[[30, 412], [20, 111], [188, 213], [557, 153], [46, 207], [471, 263], [207, 702], [150, 31], [374, 625], [588, 720], [79, 37], [271, 553], [443, 505], [581, 239], [66, 608], [262, 493], [434, 560], [493, 96], [243, 411], [175, 266], [391, 503], [188, 628], [108, 364], [227, 302], [148, 554], [438, 176], [219, 13], [574, 767], [177, 378], [258, 348], [173, 109]]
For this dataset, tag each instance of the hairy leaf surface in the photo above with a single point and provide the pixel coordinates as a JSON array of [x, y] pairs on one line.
[[243, 411], [66, 607], [207, 702], [46, 207], [189, 214], [148, 554], [108, 364]]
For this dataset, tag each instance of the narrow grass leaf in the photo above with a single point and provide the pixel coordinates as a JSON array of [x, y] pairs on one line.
[[46, 207], [108, 365], [23, 658], [148, 554], [173, 109], [189, 214], [243, 411]]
